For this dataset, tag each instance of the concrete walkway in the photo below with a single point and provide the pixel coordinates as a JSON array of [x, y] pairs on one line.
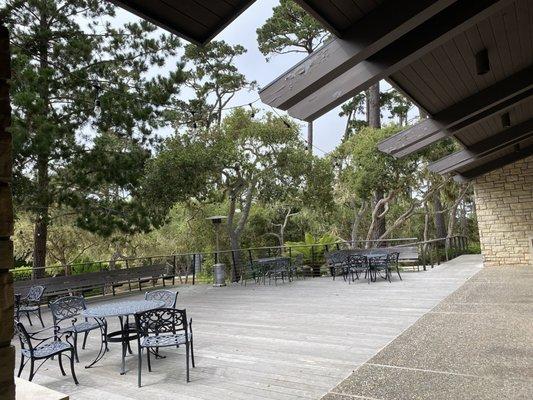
[[476, 344], [291, 341]]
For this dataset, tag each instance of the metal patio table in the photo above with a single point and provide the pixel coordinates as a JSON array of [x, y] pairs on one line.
[[122, 310]]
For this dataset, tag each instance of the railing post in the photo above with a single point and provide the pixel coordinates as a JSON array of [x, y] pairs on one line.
[[193, 267]]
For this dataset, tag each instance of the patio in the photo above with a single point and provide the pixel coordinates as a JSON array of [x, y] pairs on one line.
[[290, 341]]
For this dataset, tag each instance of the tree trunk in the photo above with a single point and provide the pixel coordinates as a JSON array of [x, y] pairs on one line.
[[40, 233], [374, 109], [310, 137], [374, 121], [235, 243], [381, 223], [43, 202], [358, 215], [438, 217]]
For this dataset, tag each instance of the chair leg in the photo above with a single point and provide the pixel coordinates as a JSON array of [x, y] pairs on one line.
[[139, 366], [187, 359], [72, 367], [59, 358], [192, 352], [148, 359], [398, 272], [85, 339], [76, 346], [40, 317], [21, 366], [32, 369], [28, 316]]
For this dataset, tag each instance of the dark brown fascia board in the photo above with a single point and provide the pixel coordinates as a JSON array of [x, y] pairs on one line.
[[510, 90], [433, 33], [375, 31]]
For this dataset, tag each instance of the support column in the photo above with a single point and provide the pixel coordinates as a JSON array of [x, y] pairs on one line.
[[7, 352]]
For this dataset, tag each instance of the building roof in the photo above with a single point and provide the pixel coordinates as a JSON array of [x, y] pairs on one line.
[[197, 21], [468, 64]]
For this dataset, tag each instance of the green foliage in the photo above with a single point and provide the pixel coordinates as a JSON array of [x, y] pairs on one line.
[[367, 169], [312, 248], [67, 59], [290, 30], [21, 273]]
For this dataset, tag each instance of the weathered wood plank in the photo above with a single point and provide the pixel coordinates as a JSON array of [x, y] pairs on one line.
[[375, 31], [495, 164], [511, 90], [421, 40], [506, 138], [291, 341]]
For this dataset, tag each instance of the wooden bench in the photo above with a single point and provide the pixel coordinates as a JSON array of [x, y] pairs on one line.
[[83, 283]]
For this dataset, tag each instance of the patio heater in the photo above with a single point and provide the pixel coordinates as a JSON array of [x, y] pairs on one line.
[[219, 269]]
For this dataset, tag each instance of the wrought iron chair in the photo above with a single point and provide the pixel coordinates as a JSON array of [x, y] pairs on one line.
[[377, 265], [169, 297], [163, 327], [338, 261], [69, 308], [357, 264], [34, 348], [296, 267], [393, 261], [31, 303], [278, 269]]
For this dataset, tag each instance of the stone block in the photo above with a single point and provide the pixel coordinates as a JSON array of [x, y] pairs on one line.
[[6, 308]]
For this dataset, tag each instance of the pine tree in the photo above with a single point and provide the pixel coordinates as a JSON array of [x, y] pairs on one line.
[[68, 64]]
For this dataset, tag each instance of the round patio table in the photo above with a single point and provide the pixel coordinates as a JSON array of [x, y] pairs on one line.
[[122, 310]]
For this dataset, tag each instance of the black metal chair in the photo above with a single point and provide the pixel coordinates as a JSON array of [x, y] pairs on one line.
[[296, 268], [377, 265], [34, 348], [69, 308], [337, 262], [169, 297], [394, 261], [357, 264], [278, 269], [163, 327], [31, 303]]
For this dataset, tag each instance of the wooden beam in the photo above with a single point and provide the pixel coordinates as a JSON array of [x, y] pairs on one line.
[[411, 46], [7, 351], [378, 29], [495, 164], [510, 90], [504, 139]]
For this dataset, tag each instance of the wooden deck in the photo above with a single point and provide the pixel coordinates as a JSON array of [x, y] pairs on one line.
[[291, 341]]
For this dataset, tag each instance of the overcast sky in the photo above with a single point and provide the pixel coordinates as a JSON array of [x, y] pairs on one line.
[[328, 129]]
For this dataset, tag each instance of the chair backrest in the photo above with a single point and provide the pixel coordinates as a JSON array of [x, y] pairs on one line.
[[22, 333], [393, 257], [35, 294], [337, 257], [357, 260], [161, 320], [298, 260], [169, 297], [67, 307]]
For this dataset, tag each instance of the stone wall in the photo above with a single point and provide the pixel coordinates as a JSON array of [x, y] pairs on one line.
[[504, 205]]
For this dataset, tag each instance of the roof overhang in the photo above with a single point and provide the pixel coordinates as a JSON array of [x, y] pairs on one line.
[[468, 64], [197, 21]]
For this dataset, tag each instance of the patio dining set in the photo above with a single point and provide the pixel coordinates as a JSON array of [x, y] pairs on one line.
[[352, 264], [153, 323]]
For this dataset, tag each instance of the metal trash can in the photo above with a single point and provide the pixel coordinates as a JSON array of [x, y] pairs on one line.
[[219, 274]]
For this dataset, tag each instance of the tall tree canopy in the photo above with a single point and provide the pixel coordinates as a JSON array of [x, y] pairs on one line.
[[246, 160], [75, 78], [291, 29]]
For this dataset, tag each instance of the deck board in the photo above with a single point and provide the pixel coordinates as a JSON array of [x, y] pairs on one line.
[[290, 341]]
